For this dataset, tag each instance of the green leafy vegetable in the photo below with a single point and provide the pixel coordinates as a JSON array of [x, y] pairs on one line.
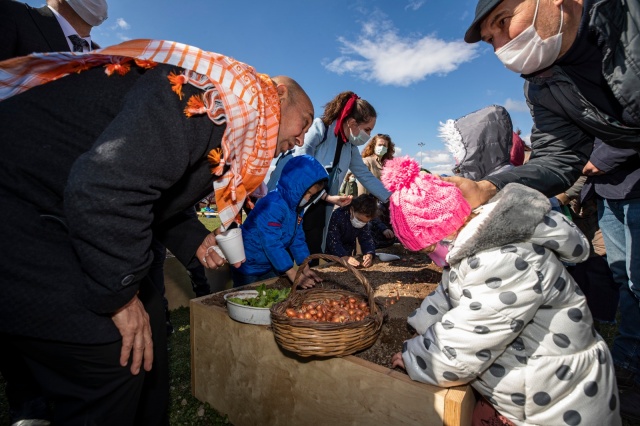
[[265, 299]]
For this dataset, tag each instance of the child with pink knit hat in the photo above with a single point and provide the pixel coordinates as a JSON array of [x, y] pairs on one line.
[[506, 318]]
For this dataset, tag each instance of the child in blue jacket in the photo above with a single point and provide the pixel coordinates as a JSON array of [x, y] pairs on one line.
[[351, 223], [272, 232]]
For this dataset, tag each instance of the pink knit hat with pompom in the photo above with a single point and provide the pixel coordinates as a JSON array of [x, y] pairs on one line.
[[424, 208]]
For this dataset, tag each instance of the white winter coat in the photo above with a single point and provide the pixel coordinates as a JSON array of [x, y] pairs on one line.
[[509, 320]]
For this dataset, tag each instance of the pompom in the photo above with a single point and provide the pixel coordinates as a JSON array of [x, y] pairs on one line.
[[399, 173]]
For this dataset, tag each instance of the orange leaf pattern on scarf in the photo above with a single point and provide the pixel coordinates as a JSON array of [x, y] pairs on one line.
[[234, 93], [177, 80], [119, 68], [195, 106]]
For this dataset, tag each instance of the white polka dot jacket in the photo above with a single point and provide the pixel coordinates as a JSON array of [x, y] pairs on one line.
[[510, 321]]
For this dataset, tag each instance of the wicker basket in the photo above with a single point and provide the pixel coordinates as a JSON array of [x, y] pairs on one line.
[[325, 339]]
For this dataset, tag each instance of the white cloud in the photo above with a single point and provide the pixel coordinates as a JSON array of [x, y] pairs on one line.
[[380, 54], [123, 37], [121, 24], [436, 157], [440, 169], [513, 105], [414, 4]]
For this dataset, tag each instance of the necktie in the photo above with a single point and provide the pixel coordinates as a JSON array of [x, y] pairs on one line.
[[78, 43]]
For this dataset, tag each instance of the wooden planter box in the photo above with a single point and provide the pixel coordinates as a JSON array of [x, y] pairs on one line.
[[240, 370]]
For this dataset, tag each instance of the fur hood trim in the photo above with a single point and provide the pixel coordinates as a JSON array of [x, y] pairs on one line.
[[517, 213]]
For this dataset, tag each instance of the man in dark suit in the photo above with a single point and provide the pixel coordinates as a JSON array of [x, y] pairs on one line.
[[85, 183], [25, 30]]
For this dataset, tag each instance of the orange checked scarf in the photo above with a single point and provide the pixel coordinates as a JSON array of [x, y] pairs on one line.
[[233, 93]]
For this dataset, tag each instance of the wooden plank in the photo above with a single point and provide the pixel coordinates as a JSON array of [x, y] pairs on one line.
[[240, 370], [458, 406]]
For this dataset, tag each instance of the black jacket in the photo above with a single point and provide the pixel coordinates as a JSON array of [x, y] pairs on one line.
[[565, 121], [25, 30], [90, 166]]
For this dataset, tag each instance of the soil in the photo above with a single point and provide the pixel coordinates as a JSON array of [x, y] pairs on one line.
[[399, 286]]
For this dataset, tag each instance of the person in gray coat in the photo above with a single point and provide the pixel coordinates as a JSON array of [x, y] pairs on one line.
[[480, 142]]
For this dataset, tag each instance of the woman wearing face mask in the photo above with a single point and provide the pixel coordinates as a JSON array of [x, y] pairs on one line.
[[379, 149], [352, 223], [334, 140]]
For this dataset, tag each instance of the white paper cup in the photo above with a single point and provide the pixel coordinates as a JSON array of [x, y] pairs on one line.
[[230, 242]]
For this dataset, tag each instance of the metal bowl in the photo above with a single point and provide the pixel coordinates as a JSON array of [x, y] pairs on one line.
[[247, 314]]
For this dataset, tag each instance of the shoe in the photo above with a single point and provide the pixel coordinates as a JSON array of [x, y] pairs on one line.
[[630, 403], [31, 422], [33, 412], [624, 377]]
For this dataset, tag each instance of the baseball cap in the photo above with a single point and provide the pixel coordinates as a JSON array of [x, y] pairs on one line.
[[483, 8]]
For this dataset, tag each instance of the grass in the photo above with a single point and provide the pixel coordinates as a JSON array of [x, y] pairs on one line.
[[184, 409]]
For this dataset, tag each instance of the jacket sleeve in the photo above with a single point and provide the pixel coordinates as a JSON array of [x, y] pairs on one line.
[[334, 236], [112, 188], [468, 338], [560, 151], [299, 248], [270, 222], [607, 158], [432, 308], [366, 240], [365, 177], [560, 235]]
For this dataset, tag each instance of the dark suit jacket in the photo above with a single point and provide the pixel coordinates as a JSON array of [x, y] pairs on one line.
[[90, 167], [25, 30]]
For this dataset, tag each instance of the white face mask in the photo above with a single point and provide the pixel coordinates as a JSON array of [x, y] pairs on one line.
[[352, 179], [527, 52], [360, 139], [357, 223], [380, 150]]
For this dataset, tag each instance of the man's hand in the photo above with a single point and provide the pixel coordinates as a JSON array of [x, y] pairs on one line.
[[397, 361], [133, 323], [476, 193], [209, 253], [339, 200], [591, 170], [367, 260]]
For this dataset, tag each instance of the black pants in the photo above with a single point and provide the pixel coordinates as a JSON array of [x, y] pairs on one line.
[[87, 385]]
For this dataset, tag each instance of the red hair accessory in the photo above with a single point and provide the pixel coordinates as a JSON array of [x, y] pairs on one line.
[[348, 107]]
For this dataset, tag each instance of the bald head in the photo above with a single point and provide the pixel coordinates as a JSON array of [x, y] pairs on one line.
[[296, 113]]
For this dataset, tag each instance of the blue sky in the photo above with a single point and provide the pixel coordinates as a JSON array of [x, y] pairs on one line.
[[406, 57]]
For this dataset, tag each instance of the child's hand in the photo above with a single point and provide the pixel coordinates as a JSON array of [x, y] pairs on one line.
[[397, 361], [388, 233], [367, 260], [351, 261]]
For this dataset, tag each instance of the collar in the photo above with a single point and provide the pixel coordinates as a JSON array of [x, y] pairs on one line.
[[67, 29]]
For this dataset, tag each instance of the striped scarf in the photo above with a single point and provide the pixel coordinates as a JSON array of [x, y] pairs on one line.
[[233, 93]]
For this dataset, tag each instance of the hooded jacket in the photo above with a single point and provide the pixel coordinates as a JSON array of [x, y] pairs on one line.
[[510, 321], [480, 142], [274, 226]]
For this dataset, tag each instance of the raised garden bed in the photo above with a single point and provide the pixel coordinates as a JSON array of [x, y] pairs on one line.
[[240, 370]]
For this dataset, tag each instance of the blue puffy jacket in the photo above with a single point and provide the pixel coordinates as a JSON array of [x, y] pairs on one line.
[[273, 229]]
